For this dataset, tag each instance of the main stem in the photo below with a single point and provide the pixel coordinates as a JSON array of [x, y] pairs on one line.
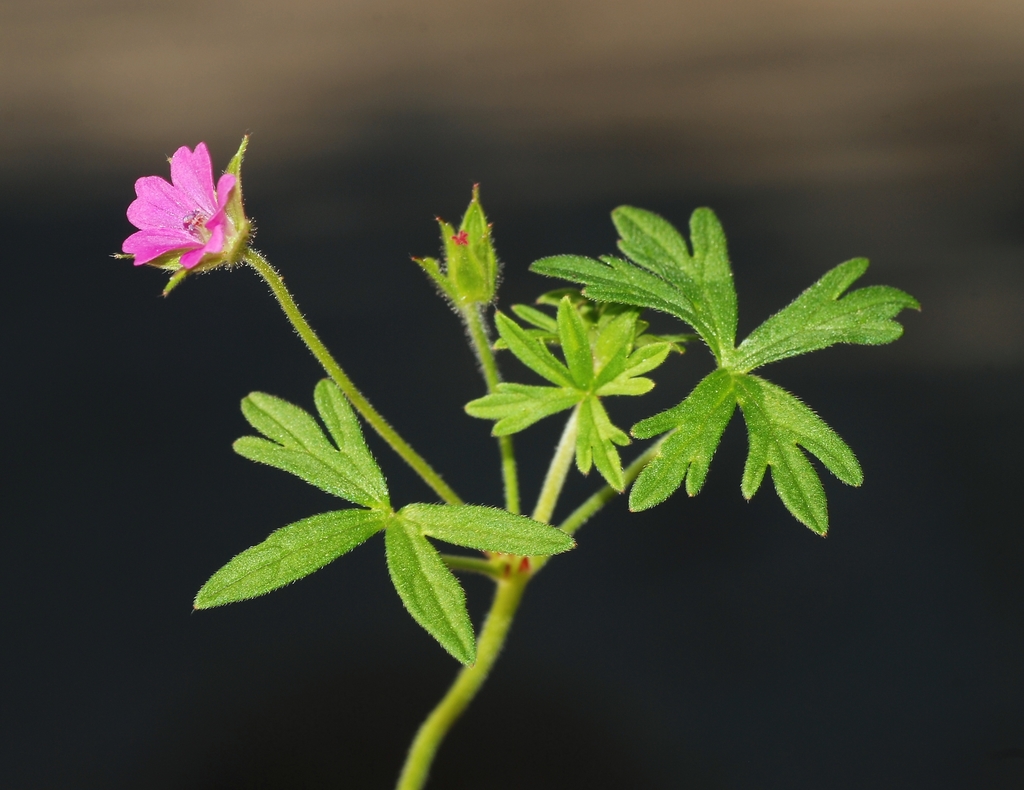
[[492, 637], [355, 397], [482, 345], [421, 754]]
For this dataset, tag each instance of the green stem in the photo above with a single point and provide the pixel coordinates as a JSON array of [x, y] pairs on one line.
[[599, 499], [489, 367], [603, 496], [460, 562], [557, 471], [356, 398], [421, 754]]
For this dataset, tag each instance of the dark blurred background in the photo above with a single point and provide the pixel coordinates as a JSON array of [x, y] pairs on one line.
[[708, 643]]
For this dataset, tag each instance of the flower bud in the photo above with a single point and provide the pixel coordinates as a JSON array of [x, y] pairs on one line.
[[470, 272]]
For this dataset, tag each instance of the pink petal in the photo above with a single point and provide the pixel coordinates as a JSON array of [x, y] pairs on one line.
[[193, 174], [224, 187], [214, 245], [159, 205], [216, 241], [149, 244], [190, 259]]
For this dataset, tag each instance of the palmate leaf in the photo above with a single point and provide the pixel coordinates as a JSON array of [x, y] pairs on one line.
[[600, 360], [663, 275], [427, 588], [694, 283], [296, 444]]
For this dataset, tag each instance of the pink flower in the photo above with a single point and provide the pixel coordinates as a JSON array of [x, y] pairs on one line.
[[187, 214]]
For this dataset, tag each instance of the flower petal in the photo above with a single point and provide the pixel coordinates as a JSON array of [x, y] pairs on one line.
[[146, 245], [224, 187], [190, 259], [193, 174], [159, 205]]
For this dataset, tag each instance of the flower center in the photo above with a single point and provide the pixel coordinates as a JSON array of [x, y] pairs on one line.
[[195, 222]]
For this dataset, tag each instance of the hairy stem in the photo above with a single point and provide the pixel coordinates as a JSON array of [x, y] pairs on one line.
[[557, 471], [356, 398], [506, 601], [478, 334], [421, 754], [460, 562]]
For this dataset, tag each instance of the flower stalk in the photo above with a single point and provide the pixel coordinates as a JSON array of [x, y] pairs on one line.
[[359, 401]]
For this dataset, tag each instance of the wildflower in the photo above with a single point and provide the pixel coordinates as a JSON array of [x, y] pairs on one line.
[[186, 219]]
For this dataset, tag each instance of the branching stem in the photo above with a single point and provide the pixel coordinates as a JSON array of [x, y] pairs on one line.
[[356, 398], [481, 344]]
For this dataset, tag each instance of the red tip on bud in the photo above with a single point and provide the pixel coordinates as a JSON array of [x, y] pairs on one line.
[[461, 238]]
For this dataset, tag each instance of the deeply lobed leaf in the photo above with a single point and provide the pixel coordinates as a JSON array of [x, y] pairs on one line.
[[697, 424], [518, 406], [819, 318], [777, 426], [298, 445]]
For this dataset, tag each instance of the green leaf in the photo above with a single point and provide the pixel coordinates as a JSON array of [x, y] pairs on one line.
[[663, 275], [344, 428], [539, 319], [777, 426], [616, 280], [596, 438], [299, 446], [430, 592], [532, 352], [575, 344], [289, 554], [487, 529], [698, 423], [517, 406], [612, 347], [818, 318], [646, 358]]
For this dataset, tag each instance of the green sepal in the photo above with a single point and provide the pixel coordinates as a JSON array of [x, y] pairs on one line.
[[298, 445], [289, 554], [487, 529], [819, 318], [433, 270], [518, 406], [429, 591], [778, 425], [234, 209], [698, 423]]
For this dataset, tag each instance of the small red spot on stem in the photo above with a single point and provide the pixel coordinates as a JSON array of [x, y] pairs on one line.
[[524, 565], [461, 238]]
